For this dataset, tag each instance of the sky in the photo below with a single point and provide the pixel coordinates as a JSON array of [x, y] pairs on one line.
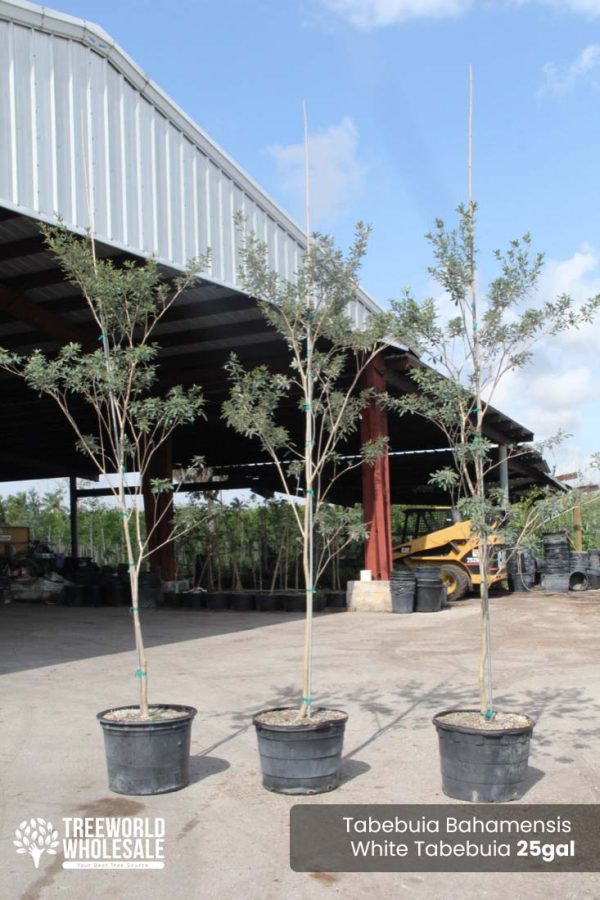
[[386, 87]]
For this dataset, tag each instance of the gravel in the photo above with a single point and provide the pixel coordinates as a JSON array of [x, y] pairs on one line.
[[132, 714], [476, 720], [292, 717]]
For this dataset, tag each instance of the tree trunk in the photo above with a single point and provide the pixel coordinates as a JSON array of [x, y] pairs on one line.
[[486, 699]]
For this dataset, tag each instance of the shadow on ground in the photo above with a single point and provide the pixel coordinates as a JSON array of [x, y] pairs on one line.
[[203, 766], [33, 635]]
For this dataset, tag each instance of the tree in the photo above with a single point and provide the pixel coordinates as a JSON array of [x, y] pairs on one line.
[[110, 395], [328, 355], [491, 335]]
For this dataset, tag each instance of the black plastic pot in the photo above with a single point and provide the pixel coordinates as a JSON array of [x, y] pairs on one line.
[[483, 766], [594, 559], [521, 571], [171, 600], [92, 595], [431, 590], [578, 580], [242, 602], [150, 590], [111, 590], [73, 595], [335, 599], [522, 581], [269, 603], [555, 582], [402, 588], [296, 602], [193, 600], [556, 553], [301, 759], [217, 601], [148, 757], [593, 578]]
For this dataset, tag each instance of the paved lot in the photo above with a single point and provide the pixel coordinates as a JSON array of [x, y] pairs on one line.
[[225, 836]]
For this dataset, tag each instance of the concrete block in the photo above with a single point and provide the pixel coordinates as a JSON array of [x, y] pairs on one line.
[[369, 596]]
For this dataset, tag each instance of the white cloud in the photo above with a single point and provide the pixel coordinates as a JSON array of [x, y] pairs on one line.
[[574, 387], [585, 67], [336, 172], [376, 13], [587, 7], [368, 14], [558, 389]]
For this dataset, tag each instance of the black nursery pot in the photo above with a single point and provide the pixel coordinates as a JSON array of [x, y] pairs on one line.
[[242, 602], [148, 757], [295, 602], [217, 601], [301, 759], [268, 602], [483, 766], [335, 599]]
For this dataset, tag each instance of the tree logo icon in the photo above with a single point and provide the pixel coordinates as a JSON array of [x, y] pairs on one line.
[[35, 837]]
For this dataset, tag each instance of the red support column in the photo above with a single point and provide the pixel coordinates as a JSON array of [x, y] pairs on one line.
[[376, 482], [158, 508]]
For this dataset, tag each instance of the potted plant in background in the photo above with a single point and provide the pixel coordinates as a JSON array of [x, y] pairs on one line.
[[484, 752], [300, 748], [109, 395]]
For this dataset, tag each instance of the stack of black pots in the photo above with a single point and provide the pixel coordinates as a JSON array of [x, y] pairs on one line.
[[417, 590], [579, 565], [403, 586], [521, 570], [593, 570], [431, 591], [557, 563]]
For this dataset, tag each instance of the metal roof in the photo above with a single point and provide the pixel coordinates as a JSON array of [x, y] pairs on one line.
[[89, 136]]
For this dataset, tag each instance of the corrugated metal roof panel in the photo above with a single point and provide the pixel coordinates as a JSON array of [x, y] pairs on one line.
[[89, 136]]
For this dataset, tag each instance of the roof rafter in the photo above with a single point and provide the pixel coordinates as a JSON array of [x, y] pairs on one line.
[[21, 308]]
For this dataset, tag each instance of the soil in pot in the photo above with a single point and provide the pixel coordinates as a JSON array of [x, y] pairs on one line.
[[483, 760], [300, 756], [147, 756]]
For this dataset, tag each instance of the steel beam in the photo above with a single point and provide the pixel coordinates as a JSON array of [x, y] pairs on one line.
[[376, 481]]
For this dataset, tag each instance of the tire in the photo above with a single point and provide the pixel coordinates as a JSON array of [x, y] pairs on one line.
[[456, 580]]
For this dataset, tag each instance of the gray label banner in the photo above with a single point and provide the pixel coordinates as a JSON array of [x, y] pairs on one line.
[[444, 838]]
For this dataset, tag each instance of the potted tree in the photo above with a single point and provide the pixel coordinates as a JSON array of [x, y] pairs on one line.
[[120, 418], [300, 748], [484, 751]]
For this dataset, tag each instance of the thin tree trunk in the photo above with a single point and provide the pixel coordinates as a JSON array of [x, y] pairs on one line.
[[485, 663], [286, 556], [134, 581], [276, 569], [308, 554]]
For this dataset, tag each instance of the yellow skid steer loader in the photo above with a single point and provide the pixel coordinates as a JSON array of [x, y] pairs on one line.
[[435, 536]]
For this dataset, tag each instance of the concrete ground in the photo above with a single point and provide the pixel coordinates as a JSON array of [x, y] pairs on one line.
[[226, 837]]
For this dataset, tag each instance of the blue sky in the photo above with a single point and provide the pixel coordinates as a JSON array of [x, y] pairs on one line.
[[385, 82]]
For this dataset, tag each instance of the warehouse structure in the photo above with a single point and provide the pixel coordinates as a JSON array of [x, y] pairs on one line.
[[89, 137]]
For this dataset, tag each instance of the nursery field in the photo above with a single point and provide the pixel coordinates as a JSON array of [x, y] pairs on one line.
[[225, 835]]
